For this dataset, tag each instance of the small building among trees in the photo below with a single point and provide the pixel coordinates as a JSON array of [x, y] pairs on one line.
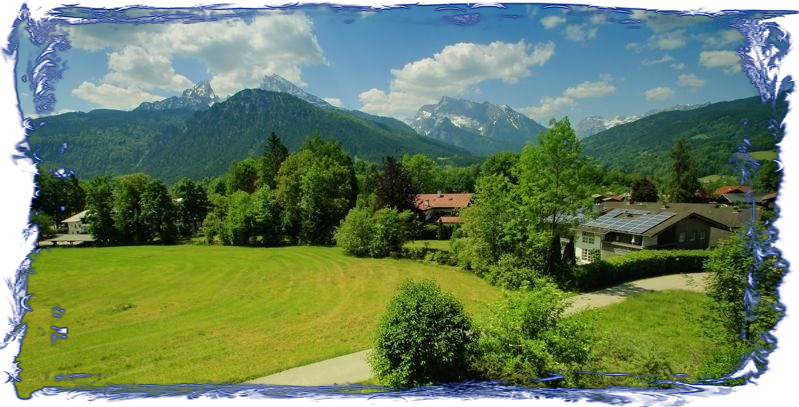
[[434, 206], [636, 227]]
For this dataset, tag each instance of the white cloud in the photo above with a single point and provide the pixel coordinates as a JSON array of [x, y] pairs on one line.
[[721, 39], [113, 97], [663, 59], [548, 108], [237, 54], [691, 80], [678, 66], [453, 71], [634, 46], [589, 90], [660, 21], [580, 32], [133, 65], [334, 101], [669, 40], [550, 22], [729, 61], [660, 93]]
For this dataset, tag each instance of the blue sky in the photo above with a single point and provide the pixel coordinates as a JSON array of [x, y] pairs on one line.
[[545, 62]]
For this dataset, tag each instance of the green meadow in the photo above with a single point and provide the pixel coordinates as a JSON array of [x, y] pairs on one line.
[[198, 314]]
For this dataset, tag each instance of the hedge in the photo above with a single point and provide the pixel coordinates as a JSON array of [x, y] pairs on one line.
[[636, 266]]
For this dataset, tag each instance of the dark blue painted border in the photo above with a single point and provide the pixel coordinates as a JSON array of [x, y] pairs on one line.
[[774, 385]]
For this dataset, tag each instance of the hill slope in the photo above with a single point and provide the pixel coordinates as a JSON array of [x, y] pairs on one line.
[[170, 144], [714, 132]]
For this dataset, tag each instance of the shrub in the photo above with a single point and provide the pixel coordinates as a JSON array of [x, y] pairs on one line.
[[390, 230], [526, 337], [362, 233], [512, 274], [425, 337], [635, 266], [354, 234]]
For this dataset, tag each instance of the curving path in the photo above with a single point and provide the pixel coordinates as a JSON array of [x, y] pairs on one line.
[[353, 368]]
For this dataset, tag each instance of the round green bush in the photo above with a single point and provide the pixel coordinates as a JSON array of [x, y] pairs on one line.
[[425, 337]]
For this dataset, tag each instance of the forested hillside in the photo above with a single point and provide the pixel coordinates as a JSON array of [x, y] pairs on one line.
[[713, 132]]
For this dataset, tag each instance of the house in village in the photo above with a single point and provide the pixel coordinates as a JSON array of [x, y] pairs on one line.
[[76, 224], [433, 207], [623, 228], [77, 232]]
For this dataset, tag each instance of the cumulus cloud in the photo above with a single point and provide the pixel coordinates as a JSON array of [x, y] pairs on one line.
[[678, 66], [661, 60], [580, 32], [550, 22], [669, 40], [334, 101], [113, 97], [548, 108], [721, 39], [729, 61], [691, 80], [588, 89], [660, 93], [236, 53], [134, 65], [453, 71]]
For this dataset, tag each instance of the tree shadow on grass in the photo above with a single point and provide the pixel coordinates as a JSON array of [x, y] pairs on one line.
[[623, 290]]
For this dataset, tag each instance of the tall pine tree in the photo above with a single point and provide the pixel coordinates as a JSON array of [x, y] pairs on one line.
[[274, 155], [683, 182]]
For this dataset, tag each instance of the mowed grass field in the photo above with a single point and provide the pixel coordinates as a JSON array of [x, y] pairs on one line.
[[654, 334], [198, 314]]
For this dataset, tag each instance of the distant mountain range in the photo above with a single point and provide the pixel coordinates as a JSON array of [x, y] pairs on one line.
[[713, 131], [594, 124], [199, 135], [186, 140], [481, 128]]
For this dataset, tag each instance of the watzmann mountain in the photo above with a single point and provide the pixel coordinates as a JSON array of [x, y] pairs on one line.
[[200, 97], [171, 143], [481, 128]]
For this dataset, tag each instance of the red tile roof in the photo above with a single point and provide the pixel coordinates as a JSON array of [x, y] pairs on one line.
[[433, 201], [726, 189]]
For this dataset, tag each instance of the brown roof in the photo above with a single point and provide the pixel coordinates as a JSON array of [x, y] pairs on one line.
[[433, 201], [729, 217], [768, 197], [726, 189], [450, 219]]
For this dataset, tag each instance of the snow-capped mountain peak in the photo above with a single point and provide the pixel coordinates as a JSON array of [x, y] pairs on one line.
[[276, 83], [199, 97]]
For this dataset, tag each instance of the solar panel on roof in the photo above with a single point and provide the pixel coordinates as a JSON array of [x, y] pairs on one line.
[[635, 225]]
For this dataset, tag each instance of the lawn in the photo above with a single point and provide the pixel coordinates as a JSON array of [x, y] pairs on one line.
[[763, 155], [656, 335], [433, 244], [177, 314]]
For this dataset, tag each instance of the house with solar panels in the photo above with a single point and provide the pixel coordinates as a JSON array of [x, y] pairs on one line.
[[623, 230]]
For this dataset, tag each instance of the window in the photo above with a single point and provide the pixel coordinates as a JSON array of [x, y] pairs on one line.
[[692, 236], [587, 255], [588, 238], [701, 235], [682, 237]]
